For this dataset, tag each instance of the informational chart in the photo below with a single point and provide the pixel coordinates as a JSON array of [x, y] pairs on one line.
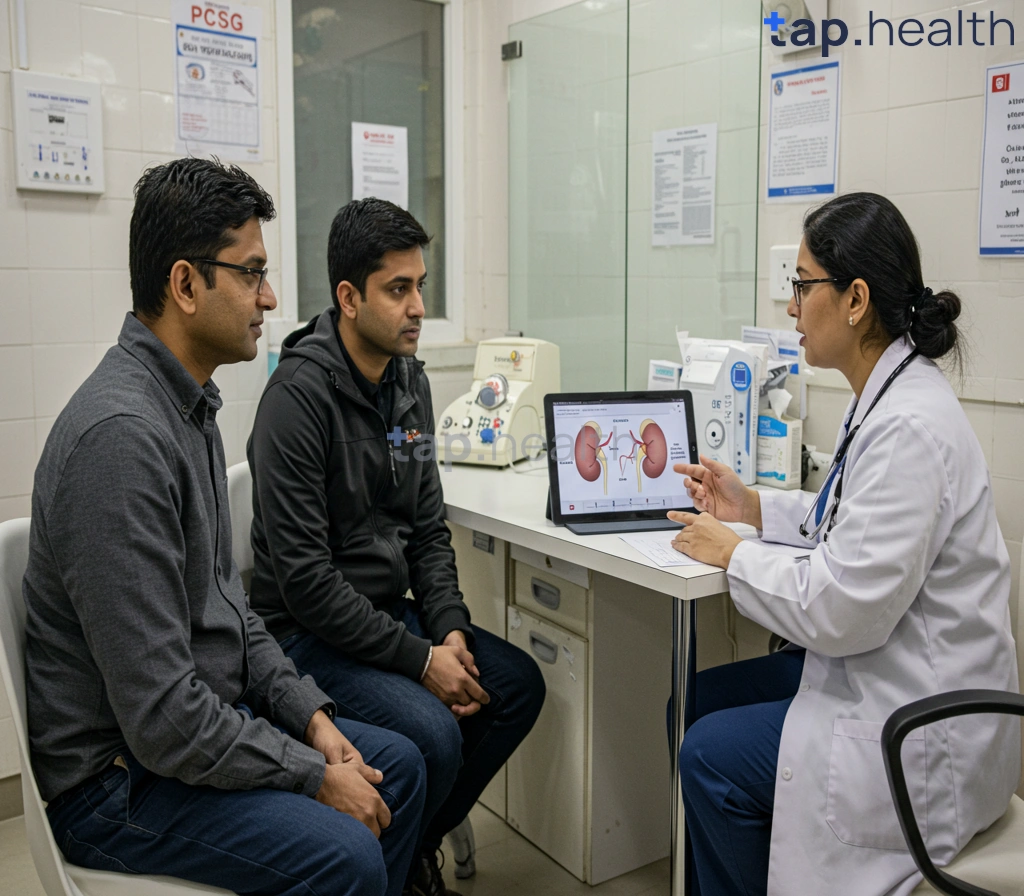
[[648, 453]]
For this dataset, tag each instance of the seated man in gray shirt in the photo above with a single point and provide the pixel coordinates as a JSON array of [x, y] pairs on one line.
[[169, 733]]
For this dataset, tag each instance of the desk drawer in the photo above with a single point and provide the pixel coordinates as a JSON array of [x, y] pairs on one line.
[[550, 597]]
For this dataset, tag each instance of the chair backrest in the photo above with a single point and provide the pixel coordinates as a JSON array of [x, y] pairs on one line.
[[240, 507], [13, 560]]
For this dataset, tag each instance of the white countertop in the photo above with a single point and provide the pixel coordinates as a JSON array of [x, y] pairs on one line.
[[509, 504]]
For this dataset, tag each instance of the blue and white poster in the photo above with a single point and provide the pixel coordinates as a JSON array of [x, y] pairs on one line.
[[217, 79], [803, 132], [1001, 227]]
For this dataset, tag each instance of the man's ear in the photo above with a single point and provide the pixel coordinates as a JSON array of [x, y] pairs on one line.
[[348, 299], [182, 286]]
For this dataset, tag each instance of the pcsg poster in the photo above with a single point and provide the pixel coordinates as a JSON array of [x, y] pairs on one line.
[[217, 79], [1001, 229]]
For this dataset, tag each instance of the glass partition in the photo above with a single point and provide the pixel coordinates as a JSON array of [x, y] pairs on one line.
[[567, 188], [596, 81]]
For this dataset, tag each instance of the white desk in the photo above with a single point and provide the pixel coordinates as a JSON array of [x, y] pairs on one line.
[[509, 504]]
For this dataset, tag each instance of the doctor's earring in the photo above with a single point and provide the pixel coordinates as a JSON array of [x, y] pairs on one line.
[[851, 320]]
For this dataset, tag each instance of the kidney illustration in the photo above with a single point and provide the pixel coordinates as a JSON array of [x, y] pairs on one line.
[[654, 450], [589, 452]]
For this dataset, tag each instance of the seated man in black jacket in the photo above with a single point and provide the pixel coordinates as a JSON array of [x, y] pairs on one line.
[[349, 516]]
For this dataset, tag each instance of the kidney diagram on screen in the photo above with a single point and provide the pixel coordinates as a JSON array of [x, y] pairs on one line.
[[647, 450]]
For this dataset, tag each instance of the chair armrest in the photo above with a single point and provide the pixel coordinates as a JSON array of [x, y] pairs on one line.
[[896, 728]]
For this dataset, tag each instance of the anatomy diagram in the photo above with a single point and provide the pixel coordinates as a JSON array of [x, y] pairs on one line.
[[649, 453]]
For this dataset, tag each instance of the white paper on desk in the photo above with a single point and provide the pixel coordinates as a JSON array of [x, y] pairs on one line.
[[787, 549], [657, 547]]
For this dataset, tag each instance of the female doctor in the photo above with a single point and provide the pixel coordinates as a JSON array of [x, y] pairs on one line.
[[905, 594]]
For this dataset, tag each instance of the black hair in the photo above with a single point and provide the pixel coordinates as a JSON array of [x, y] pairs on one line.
[[863, 235], [362, 232], [184, 210]]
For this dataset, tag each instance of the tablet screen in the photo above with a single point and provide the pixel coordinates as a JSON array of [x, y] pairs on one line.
[[612, 454]]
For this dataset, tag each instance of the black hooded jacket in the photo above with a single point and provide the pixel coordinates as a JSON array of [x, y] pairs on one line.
[[348, 512]]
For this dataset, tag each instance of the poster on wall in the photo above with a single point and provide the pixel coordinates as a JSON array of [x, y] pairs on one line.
[[683, 186], [217, 79], [380, 162], [803, 132], [1001, 228]]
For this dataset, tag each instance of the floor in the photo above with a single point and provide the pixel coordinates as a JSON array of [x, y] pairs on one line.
[[506, 865]]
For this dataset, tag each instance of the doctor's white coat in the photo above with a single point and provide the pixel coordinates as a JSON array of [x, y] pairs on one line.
[[908, 597]]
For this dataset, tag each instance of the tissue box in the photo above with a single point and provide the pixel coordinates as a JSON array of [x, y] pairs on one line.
[[663, 375], [779, 445]]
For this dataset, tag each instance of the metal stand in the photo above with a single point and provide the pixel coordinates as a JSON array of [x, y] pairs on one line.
[[680, 669]]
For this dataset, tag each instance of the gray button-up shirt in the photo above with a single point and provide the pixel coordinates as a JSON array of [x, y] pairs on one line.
[[139, 631]]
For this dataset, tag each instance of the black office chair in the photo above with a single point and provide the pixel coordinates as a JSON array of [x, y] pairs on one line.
[[996, 854]]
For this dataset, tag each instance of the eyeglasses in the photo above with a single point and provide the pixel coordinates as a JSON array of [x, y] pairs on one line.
[[255, 272], [798, 285]]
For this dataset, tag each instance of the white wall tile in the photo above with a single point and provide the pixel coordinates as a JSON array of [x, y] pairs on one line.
[[917, 75], [58, 231], [6, 121], [982, 420], [57, 371], [110, 47], [1009, 500], [1008, 436], [156, 55], [43, 427], [13, 241], [156, 112], [17, 448], [5, 45], [54, 36], [121, 117], [122, 170], [15, 507], [108, 234], [61, 306], [1010, 352], [16, 375], [111, 301], [908, 169], [862, 151], [15, 308], [964, 123]]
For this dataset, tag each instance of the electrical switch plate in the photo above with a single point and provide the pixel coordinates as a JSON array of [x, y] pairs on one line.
[[782, 269]]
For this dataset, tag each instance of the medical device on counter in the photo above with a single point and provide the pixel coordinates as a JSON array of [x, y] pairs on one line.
[[501, 419], [724, 379]]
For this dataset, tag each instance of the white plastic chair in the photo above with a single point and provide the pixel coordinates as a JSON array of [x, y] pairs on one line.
[[993, 862], [58, 876], [240, 508]]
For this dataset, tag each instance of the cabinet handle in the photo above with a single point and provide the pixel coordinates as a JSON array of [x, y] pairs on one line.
[[546, 651], [545, 594]]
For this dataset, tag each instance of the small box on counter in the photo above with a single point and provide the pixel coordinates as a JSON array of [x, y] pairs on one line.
[[779, 445]]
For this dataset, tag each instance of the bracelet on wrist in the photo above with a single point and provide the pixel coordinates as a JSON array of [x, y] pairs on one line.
[[426, 665]]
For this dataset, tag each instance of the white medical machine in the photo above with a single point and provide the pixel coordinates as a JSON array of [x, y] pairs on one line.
[[501, 419], [724, 378]]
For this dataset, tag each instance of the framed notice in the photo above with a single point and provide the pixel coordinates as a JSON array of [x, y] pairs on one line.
[[1000, 223], [803, 132]]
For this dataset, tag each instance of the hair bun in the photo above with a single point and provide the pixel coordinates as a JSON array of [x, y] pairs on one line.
[[933, 329]]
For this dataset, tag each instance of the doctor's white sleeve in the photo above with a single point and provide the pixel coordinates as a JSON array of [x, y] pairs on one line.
[[781, 516], [896, 513]]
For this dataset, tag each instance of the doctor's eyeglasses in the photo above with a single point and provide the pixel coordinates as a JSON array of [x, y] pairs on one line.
[[798, 285]]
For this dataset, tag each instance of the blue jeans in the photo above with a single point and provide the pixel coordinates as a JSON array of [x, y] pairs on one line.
[[461, 756], [727, 765], [249, 841]]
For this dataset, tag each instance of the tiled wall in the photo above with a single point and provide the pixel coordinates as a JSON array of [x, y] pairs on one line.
[[64, 259], [911, 129]]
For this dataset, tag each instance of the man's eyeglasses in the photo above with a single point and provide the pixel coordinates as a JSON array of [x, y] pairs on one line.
[[798, 285], [255, 272]]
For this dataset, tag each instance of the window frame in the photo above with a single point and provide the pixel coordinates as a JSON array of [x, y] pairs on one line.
[[436, 330]]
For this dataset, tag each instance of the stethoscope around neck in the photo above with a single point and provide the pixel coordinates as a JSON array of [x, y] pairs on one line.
[[838, 468]]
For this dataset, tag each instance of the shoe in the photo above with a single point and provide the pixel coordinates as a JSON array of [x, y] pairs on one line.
[[428, 880], [463, 847]]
